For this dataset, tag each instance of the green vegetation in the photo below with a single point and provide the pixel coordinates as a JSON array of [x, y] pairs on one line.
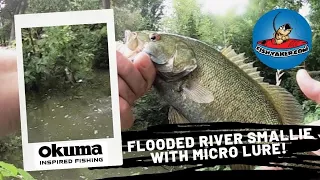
[[9, 170], [48, 51], [236, 30]]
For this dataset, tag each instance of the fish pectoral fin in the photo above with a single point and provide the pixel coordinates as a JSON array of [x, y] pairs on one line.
[[174, 117], [197, 92]]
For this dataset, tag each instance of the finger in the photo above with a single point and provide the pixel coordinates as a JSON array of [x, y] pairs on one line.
[[126, 114], [309, 86], [132, 76], [125, 92], [143, 63], [9, 103]]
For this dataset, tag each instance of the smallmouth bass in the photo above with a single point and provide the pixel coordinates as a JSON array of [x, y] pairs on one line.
[[202, 84]]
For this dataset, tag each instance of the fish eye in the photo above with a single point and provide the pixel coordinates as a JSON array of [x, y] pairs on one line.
[[154, 37]]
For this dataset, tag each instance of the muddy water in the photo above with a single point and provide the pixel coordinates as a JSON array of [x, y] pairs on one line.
[[81, 112], [61, 117]]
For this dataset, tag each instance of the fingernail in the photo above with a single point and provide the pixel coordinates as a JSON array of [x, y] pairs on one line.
[[301, 75]]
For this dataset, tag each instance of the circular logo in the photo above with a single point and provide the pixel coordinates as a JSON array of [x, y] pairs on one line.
[[282, 39]]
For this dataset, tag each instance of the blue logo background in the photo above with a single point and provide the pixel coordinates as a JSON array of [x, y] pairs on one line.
[[263, 30]]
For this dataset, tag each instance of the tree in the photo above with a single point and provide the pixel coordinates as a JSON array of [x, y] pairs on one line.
[[313, 60], [137, 15], [11, 8], [152, 12], [106, 4], [230, 29]]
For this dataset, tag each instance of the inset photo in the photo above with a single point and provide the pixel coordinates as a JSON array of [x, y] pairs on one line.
[[68, 90], [67, 82]]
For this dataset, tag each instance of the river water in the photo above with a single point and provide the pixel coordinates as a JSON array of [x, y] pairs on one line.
[[62, 117]]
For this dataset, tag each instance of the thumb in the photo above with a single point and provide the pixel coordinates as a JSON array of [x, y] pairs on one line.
[[309, 86]]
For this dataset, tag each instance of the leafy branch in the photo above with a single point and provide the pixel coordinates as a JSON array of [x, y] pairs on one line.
[[9, 170]]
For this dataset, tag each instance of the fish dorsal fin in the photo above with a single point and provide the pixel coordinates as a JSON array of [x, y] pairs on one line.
[[248, 71], [285, 103], [239, 60], [226, 49]]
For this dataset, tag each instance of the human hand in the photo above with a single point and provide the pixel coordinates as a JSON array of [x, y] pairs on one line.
[[134, 80], [9, 93], [311, 89], [309, 86]]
